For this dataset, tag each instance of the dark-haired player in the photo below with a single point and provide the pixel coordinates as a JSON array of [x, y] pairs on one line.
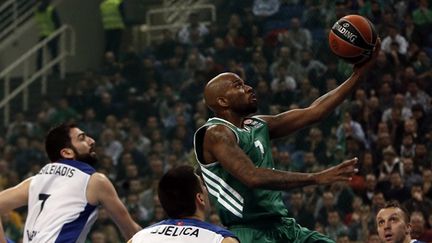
[[184, 198], [63, 198]]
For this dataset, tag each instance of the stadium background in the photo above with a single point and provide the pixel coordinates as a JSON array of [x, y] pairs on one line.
[[143, 105]]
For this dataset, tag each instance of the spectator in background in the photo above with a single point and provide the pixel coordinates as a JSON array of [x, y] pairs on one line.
[[193, 33], [397, 190], [113, 24], [394, 38], [415, 95], [48, 21], [398, 104], [417, 201], [411, 174], [297, 209], [419, 229], [335, 225], [296, 37], [422, 17]]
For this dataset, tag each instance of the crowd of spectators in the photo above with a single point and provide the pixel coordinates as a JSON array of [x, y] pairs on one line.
[[142, 109]]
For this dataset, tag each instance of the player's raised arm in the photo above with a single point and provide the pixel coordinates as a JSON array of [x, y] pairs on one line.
[[288, 122], [220, 145], [101, 191]]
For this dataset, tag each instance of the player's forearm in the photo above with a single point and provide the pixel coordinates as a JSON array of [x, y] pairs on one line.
[[332, 99], [280, 180]]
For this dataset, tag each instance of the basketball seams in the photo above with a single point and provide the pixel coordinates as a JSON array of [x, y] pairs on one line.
[[358, 30], [347, 42], [350, 40]]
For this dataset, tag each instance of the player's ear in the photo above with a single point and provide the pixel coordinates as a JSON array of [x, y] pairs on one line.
[[223, 102], [200, 198], [408, 229], [67, 153]]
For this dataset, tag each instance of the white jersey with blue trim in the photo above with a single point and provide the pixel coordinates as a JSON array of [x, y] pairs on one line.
[[58, 210], [182, 231]]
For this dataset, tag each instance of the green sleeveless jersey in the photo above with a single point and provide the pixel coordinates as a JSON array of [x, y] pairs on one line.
[[236, 203]]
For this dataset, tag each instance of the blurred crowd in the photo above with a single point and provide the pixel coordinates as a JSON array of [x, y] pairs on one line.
[[143, 107]]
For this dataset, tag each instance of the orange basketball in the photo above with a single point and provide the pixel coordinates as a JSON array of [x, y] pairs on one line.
[[353, 38]]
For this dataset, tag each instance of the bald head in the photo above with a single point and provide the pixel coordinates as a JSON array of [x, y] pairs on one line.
[[216, 88]]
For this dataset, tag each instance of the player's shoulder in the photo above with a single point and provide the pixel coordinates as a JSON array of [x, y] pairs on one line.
[[230, 240], [208, 226]]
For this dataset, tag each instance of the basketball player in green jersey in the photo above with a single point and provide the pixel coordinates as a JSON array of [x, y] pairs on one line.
[[234, 154]]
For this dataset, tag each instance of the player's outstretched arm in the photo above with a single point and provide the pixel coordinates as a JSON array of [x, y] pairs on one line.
[[220, 145], [101, 191], [14, 197], [288, 122]]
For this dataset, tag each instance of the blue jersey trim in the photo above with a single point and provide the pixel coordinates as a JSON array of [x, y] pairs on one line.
[[72, 230], [84, 167], [199, 224]]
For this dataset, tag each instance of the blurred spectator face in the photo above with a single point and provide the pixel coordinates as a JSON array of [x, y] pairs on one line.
[[360, 94], [418, 224], [399, 100], [378, 200], [396, 180], [152, 123], [371, 182], [384, 139], [285, 52], [408, 140], [309, 159], [410, 126], [296, 200], [409, 73], [284, 158], [367, 160], [295, 24], [420, 150], [427, 175], [328, 199], [333, 218], [373, 103], [234, 21], [219, 44], [408, 165], [131, 171], [156, 166], [417, 192], [385, 89]]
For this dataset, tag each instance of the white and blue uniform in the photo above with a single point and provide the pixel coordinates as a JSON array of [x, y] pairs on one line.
[[182, 231], [58, 210]]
